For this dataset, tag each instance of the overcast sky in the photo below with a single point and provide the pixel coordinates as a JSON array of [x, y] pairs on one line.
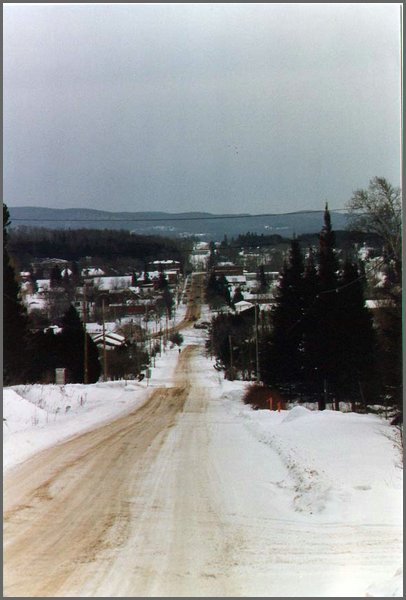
[[217, 107]]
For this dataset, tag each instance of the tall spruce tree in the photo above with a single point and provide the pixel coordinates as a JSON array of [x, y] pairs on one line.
[[311, 289], [327, 311], [15, 320], [281, 356]]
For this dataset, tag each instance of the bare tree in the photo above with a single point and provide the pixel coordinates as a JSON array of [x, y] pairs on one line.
[[379, 209]]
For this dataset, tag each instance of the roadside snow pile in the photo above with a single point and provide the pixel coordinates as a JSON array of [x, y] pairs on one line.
[[296, 413], [345, 465], [21, 414], [38, 416]]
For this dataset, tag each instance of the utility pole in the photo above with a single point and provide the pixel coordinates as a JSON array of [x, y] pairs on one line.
[[104, 346], [256, 343], [231, 352], [136, 350], [325, 392], [85, 370]]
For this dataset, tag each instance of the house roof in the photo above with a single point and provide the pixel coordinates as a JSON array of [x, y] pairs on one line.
[[242, 305], [111, 339]]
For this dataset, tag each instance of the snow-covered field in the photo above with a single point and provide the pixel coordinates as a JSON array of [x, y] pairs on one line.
[[346, 469]]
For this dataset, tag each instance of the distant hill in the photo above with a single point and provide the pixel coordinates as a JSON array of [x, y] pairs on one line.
[[205, 225]]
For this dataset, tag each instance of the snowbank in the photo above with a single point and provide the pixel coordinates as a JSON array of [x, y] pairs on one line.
[[38, 416]]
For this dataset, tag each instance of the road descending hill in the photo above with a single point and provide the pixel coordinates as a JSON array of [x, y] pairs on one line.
[[178, 498]]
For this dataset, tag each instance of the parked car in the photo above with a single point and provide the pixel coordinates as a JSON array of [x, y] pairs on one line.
[[201, 325]]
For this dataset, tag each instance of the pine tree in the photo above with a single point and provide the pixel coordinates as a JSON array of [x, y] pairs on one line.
[[76, 278], [162, 281], [217, 291], [15, 320], [212, 256], [224, 290], [147, 278], [262, 281], [356, 339], [72, 349], [327, 310], [45, 356], [281, 356], [311, 290], [55, 277], [238, 296], [328, 264], [168, 301]]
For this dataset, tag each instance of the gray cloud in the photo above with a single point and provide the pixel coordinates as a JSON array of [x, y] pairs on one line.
[[245, 107]]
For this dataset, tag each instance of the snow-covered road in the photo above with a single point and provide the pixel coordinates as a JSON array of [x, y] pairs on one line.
[[180, 498]]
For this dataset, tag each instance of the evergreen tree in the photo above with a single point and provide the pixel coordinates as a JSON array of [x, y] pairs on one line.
[[238, 296], [168, 301], [231, 341], [217, 291], [224, 290], [45, 356], [162, 281], [281, 356], [356, 339], [68, 286], [55, 277], [311, 290], [147, 278], [15, 321], [75, 277], [328, 264], [212, 256], [72, 349], [262, 280], [327, 310]]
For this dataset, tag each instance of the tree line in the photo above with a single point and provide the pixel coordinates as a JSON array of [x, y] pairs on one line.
[[108, 246]]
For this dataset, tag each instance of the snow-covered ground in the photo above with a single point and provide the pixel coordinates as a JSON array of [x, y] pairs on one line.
[[346, 469]]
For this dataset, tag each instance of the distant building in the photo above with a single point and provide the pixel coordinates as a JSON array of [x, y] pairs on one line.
[[228, 269], [92, 272]]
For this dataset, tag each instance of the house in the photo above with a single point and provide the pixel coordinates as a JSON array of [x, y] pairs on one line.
[[117, 282], [166, 265], [46, 265], [237, 280], [227, 269], [92, 272]]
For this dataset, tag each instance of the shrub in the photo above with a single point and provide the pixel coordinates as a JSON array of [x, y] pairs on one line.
[[176, 338], [259, 395]]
